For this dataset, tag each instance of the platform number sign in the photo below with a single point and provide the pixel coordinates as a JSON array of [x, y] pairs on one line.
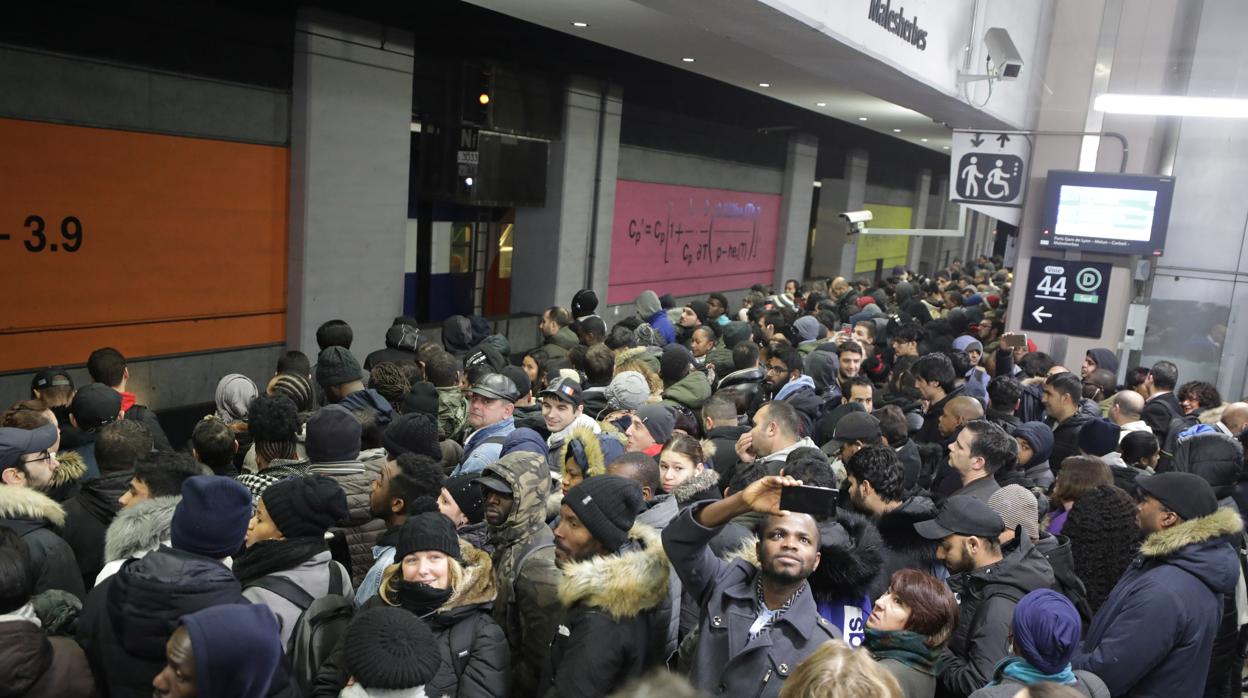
[[1066, 297]]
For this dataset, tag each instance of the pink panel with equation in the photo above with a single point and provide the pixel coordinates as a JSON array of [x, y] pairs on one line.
[[689, 240]]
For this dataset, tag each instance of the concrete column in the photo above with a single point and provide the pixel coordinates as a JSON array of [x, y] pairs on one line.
[[565, 245], [922, 185], [350, 134], [856, 162], [797, 198]]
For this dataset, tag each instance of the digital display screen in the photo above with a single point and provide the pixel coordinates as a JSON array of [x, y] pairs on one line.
[[1105, 212]]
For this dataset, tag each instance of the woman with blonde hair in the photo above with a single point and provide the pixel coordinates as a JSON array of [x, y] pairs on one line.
[[836, 671]]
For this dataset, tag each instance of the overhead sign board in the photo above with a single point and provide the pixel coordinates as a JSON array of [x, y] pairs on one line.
[[1066, 297], [989, 173]]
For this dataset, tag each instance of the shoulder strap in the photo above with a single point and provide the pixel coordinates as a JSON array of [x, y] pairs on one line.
[[463, 636], [286, 589], [532, 547], [336, 583]]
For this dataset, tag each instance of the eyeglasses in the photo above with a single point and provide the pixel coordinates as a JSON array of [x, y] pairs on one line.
[[776, 369], [46, 456]]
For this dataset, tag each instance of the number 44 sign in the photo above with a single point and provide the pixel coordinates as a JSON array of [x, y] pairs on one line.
[[1066, 297]]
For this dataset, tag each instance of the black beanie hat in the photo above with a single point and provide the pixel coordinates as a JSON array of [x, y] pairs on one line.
[[412, 433], [467, 496], [306, 506], [666, 301], [332, 435], [422, 398], [428, 531], [608, 505], [387, 648], [585, 302], [700, 308], [675, 362], [336, 366]]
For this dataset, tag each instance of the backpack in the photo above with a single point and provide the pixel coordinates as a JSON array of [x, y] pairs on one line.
[[320, 627]]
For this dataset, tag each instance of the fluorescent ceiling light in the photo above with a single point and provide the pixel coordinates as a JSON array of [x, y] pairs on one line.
[[1172, 105], [764, 84], [896, 130], [687, 60], [924, 140], [821, 104], [862, 118], [580, 25]]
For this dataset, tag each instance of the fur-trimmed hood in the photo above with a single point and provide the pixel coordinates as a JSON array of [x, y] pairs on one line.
[[17, 502], [475, 588], [696, 488], [1221, 523], [623, 585], [596, 449], [139, 528]]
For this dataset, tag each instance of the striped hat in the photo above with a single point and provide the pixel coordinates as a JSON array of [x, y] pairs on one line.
[[1017, 506]]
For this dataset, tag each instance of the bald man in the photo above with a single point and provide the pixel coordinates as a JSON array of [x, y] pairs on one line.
[[1234, 418], [958, 412], [1125, 410]]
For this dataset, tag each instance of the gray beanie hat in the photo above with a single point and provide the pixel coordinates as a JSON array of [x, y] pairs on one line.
[[628, 390]]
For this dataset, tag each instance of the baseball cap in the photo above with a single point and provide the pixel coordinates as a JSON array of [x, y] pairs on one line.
[[1186, 494], [51, 378], [15, 443], [490, 480], [857, 426], [95, 405], [962, 515], [565, 389], [496, 386]]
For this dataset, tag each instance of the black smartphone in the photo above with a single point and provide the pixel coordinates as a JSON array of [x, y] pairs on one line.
[[819, 502]]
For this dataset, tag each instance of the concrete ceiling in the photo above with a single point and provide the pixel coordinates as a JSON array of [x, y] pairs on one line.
[[748, 44]]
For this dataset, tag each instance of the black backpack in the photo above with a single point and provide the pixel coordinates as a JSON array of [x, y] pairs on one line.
[[320, 627]]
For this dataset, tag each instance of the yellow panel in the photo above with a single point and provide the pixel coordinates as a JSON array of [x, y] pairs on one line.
[[893, 249]]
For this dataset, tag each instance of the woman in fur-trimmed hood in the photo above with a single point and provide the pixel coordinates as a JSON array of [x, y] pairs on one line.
[[1154, 635]]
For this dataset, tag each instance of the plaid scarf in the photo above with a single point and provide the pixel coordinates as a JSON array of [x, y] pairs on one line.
[[762, 606]]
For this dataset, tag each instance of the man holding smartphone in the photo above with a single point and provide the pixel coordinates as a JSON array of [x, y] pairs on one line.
[[758, 620]]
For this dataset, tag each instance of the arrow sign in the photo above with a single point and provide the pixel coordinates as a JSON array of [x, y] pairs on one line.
[[1003, 139], [1039, 315], [978, 140]]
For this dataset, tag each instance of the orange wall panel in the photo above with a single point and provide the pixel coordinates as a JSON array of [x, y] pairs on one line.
[[182, 246]]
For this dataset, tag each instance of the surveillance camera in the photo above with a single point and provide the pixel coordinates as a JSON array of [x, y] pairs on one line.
[[857, 220], [1006, 61]]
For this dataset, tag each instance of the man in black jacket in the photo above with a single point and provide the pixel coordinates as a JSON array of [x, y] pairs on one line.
[[1062, 394], [118, 446], [933, 378], [614, 587], [988, 585], [719, 419], [789, 384], [876, 489], [1161, 405]]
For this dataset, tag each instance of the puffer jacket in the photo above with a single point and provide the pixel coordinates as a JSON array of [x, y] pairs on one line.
[[615, 622], [129, 616], [362, 530], [37, 519], [311, 575], [485, 670], [691, 391], [401, 342], [986, 598], [904, 548], [37, 666], [87, 517], [725, 662], [370, 400], [1153, 636], [527, 606], [1214, 456], [137, 530]]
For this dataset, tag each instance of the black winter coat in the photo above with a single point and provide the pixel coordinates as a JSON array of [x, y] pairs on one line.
[[615, 624], [725, 459], [1066, 440], [127, 619], [87, 517], [904, 548], [1157, 413], [987, 597], [38, 520], [1214, 456]]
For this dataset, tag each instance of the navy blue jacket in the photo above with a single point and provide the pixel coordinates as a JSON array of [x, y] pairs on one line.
[[661, 324], [1154, 635]]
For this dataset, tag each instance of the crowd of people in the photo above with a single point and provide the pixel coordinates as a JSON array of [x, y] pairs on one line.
[[844, 488]]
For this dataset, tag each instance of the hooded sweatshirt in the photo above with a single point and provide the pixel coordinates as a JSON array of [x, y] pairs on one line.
[[401, 341], [457, 335], [1040, 437], [1104, 358], [650, 310], [236, 650], [234, 395]]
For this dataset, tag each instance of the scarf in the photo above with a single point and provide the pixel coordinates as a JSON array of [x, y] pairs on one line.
[[905, 646], [416, 597], [1023, 672], [269, 556], [762, 606]]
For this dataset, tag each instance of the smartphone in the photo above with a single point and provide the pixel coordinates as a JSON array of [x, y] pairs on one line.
[[846, 328], [1014, 341], [819, 502]]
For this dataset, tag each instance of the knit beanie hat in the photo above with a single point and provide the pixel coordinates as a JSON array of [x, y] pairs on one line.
[[428, 531], [968, 343], [1017, 506], [336, 366], [306, 506], [1099, 437], [628, 390], [467, 496], [736, 332], [584, 303], [648, 303], [237, 647], [412, 433], [387, 649], [667, 301], [423, 398], [1046, 630], [608, 505], [659, 421], [524, 440], [675, 362], [808, 328], [212, 516], [333, 435], [701, 309]]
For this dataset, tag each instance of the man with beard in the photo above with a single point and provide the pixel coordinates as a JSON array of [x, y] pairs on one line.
[[758, 620], [787, 383], [613, 588], [393, 499], [988, 585], [875, 476]]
